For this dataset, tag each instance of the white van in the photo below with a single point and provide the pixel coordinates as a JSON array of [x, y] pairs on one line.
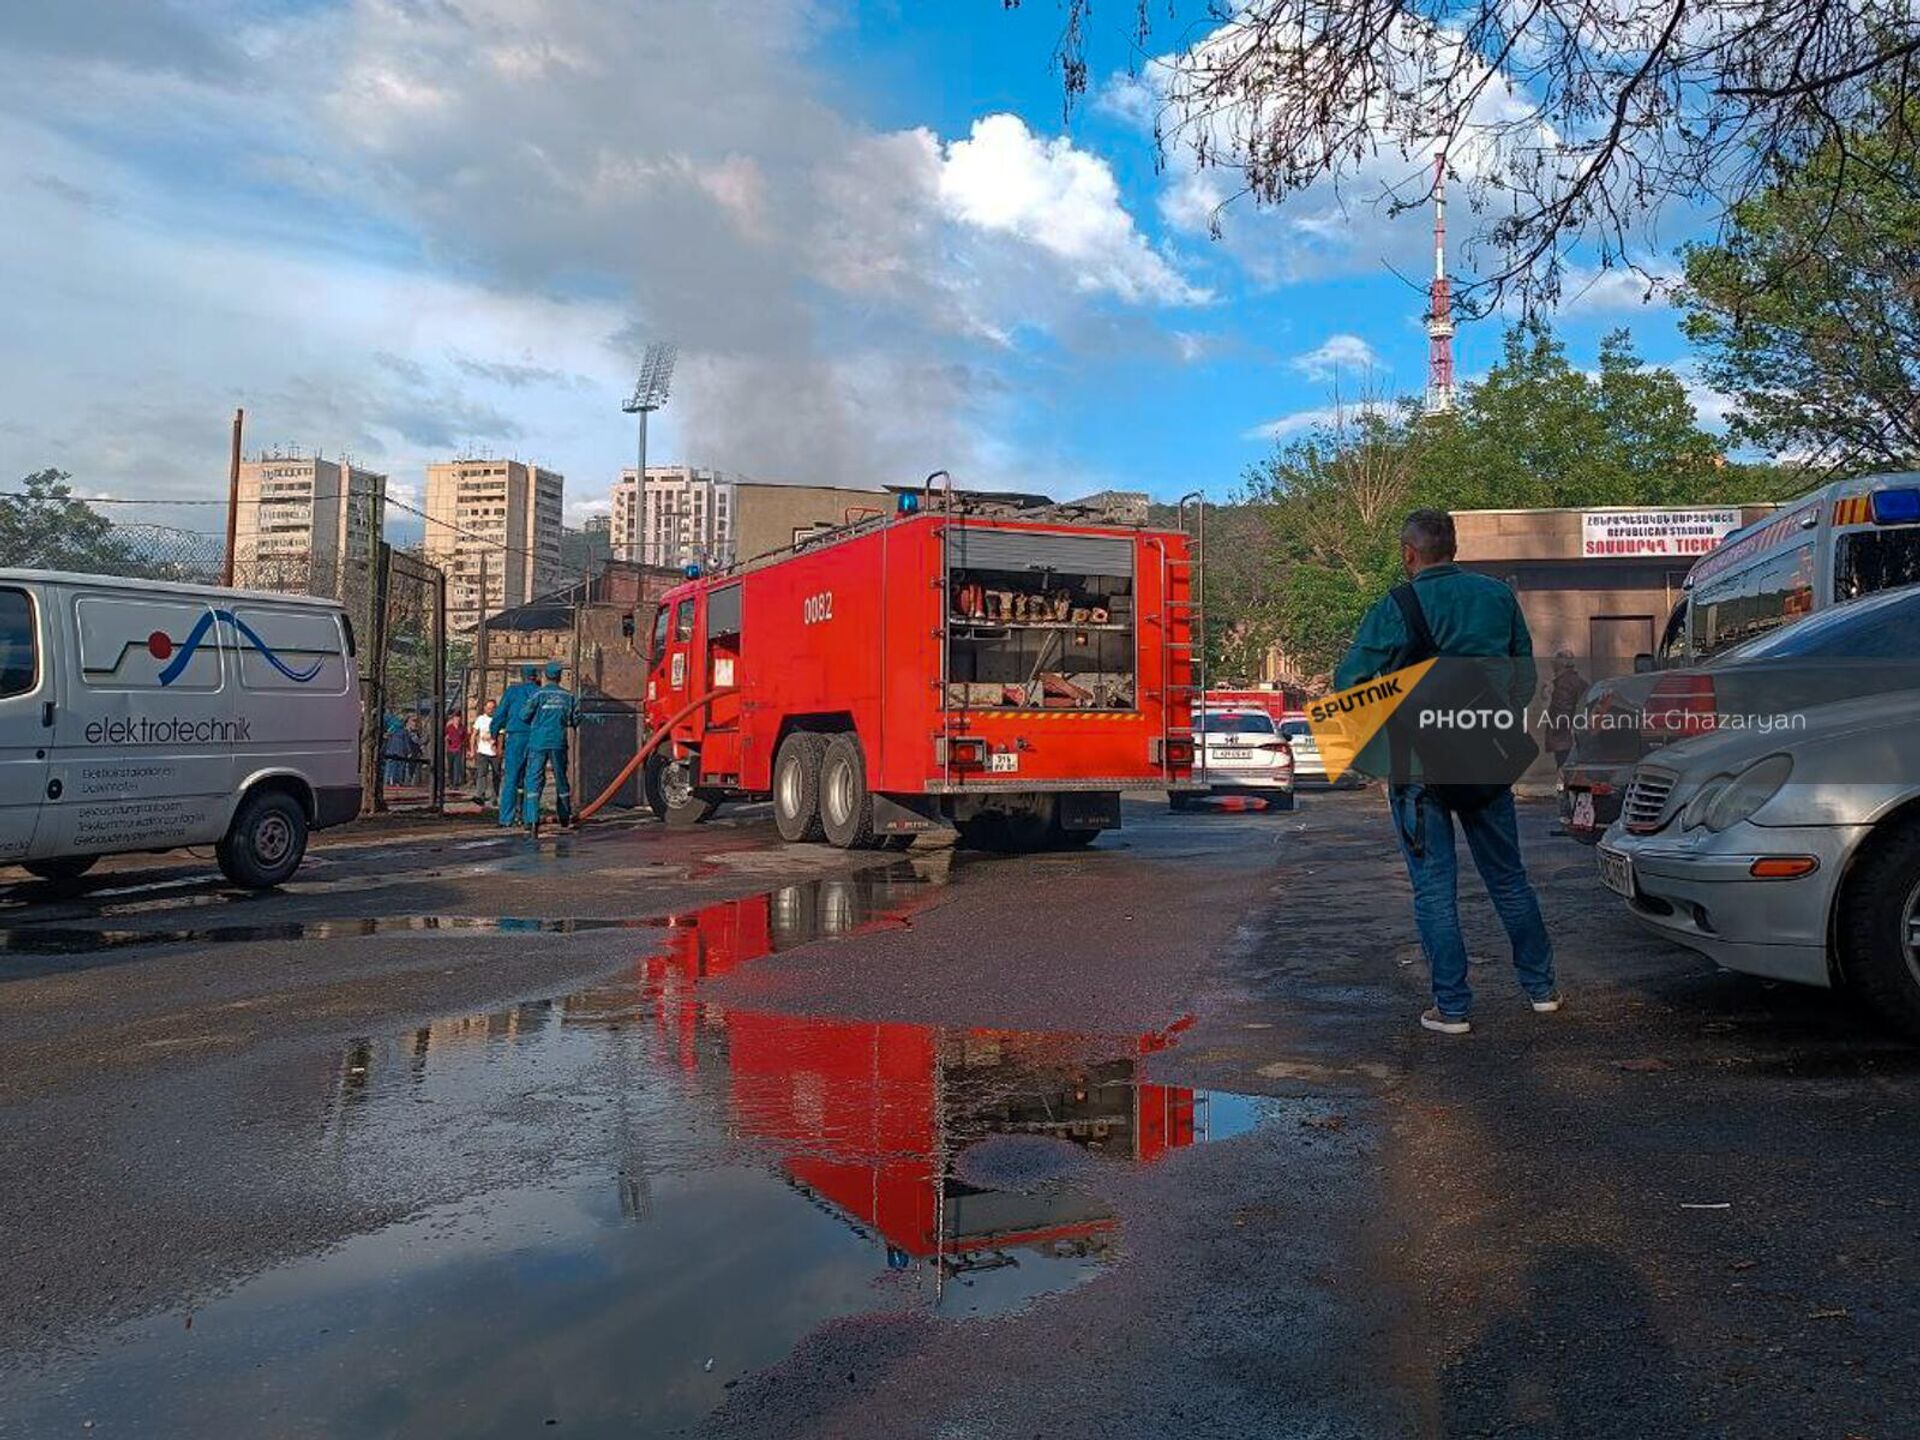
[[139, 715]]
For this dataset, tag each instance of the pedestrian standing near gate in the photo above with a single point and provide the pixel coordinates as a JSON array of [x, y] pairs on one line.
[[486, 758], [551, 711], [510, 720], [456, 738], [1443, 613]]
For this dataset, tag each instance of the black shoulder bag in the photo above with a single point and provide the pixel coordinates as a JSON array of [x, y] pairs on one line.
[[1485, 758]]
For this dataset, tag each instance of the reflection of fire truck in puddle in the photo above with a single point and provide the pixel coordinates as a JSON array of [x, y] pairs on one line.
[[872, 1116]]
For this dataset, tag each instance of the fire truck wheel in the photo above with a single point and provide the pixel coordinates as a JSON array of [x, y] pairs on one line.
[[672, 796], [650, 787], [796, 787], [846, 805]]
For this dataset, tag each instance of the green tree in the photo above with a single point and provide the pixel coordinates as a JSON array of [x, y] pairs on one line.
[[1539, 432], [1535, 433], [1808, 308], [47, 528], [1332, 502]]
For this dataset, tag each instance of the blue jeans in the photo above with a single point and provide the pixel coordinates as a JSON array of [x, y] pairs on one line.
[[1425, 830]]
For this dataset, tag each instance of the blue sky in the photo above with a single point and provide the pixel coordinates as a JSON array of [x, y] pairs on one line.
[[403, 229]]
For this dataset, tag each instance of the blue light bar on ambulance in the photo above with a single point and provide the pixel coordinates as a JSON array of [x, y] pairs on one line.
[[1896, 507]]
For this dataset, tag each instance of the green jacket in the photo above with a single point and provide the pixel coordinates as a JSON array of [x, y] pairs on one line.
[[1469, 615]]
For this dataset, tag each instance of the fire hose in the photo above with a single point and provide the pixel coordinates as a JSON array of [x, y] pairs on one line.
[[653, 743]]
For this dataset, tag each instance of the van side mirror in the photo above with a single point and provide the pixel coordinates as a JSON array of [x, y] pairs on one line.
[[1643, 664]]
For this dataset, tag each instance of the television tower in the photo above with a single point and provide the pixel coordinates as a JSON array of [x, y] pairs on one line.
[[1440, 302]]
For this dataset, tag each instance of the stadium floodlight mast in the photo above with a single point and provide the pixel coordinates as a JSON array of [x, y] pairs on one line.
[[649, 394]]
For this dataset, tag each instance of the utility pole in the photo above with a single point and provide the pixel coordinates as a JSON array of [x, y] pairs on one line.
[[233, 496], [480, 634]]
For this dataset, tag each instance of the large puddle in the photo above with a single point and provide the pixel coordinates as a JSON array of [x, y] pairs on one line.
[[721, 1182]]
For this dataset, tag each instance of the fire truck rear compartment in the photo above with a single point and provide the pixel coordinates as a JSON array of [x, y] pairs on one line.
[[1040, 622]]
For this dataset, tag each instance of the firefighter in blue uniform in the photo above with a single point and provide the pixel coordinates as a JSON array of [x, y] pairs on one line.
[[551, 711], [511, 713]]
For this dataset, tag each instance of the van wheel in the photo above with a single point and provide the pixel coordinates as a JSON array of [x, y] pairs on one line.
[[1179, 801], [1879, 926], [267, 841], [846, 805], [63, 871], [796, 787]]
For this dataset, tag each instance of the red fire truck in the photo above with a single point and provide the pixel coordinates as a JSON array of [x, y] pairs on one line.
[[999, 673]]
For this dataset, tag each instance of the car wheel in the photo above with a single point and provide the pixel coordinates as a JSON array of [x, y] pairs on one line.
[[1879, 926], [63, 871], [1179, 801], [846, 805], [796, 787], [1282, 803], [266, 842]]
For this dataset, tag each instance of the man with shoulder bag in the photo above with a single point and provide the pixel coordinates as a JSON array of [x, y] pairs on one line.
[[1462, 766]]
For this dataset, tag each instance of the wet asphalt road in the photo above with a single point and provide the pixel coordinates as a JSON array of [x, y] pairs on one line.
[[652, 1132]]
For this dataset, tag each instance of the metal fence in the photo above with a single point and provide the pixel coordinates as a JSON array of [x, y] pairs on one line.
[[404, 683]]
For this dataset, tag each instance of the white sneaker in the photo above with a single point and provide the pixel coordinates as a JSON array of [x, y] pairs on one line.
[[1445, 1024], [1547, 1006]]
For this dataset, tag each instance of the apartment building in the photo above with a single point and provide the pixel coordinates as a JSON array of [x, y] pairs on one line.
[[306, 526], [685, 517], [497, 517]]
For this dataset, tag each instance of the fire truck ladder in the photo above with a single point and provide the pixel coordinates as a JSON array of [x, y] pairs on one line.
[[1181, 588]]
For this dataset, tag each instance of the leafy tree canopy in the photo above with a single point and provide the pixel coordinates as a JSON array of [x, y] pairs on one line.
[[1536, 432], [1569, 125], [1808, 309], [47, 528]]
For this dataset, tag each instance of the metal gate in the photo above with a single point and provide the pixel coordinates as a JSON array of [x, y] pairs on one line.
[[403, 674]]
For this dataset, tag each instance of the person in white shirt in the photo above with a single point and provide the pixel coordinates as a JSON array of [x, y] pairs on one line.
[[486, 757]]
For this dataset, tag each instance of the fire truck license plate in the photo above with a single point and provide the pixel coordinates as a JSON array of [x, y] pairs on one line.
[[1003, 762]]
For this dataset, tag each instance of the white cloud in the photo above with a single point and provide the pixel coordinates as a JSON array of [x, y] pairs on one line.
[[1295, 423], [1336, 355], [1006, 180], [483, 193], [1299, 422], [1646, 285]]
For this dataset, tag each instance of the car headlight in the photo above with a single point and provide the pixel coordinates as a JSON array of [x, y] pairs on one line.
[[1695, 815], [1749, 790]]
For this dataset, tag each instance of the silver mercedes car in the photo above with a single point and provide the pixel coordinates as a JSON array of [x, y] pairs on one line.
[[1788, 844]]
